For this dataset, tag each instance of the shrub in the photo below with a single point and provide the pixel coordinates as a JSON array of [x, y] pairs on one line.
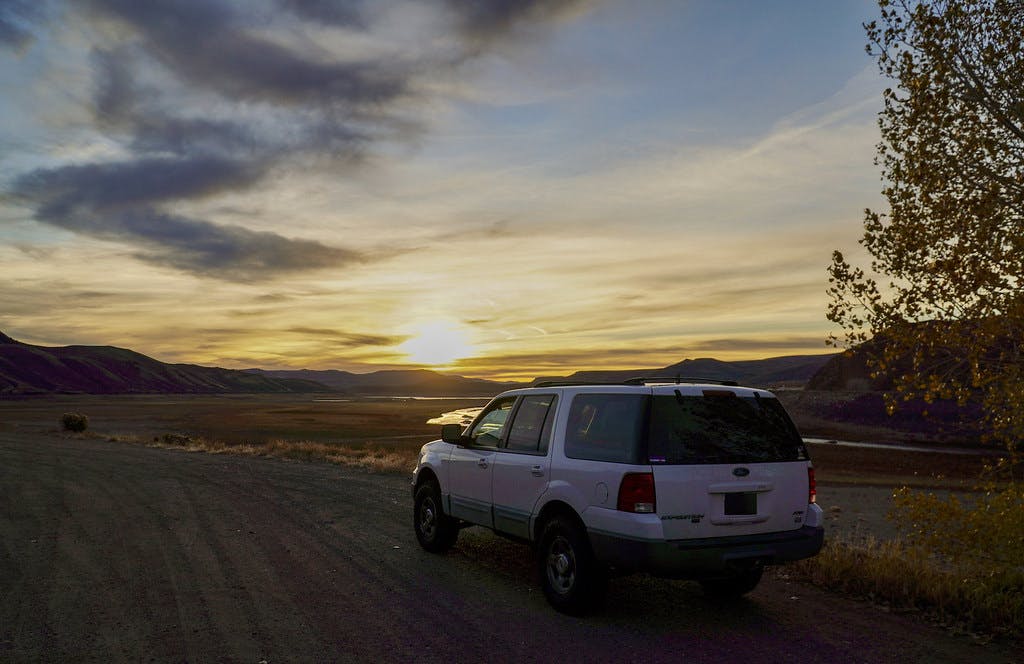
[[76, 422], [981, 532]]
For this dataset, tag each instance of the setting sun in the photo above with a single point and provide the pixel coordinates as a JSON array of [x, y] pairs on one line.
[[437, 343]]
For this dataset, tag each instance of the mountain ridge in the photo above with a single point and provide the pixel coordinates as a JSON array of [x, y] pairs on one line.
[[78, 369], [28, 369]]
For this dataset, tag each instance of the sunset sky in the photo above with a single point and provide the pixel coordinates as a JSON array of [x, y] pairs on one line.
[[496, 189]]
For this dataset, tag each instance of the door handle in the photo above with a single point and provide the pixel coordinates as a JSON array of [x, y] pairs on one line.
[[537, 471], [482, 463]]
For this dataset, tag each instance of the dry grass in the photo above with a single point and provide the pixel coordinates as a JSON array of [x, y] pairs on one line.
[[906, 578], [396, 459]]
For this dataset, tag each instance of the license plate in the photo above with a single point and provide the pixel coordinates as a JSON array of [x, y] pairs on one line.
[[740, 504]]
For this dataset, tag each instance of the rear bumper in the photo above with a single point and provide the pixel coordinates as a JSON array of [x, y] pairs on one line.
[[706, 557]]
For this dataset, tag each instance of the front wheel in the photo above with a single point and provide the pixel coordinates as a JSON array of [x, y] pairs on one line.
[[573, 581], [734, 586], [435, 530]]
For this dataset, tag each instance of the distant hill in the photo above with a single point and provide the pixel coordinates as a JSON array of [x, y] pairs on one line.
[[790, 369], [28, 369], [416, 382], [849, 371]]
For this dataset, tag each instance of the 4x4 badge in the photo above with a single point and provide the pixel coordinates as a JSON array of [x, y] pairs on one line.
[[740, 472]]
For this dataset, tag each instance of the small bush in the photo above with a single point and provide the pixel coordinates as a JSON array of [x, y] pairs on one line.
[[76, 422], [960, 559], [983, 532]]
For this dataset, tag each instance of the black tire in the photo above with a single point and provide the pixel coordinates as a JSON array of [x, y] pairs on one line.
[[435, 530], [734, 586], [573, 581]]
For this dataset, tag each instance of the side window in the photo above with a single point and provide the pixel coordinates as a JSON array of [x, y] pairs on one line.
[[605, 427], [531, 428], [488, 430]]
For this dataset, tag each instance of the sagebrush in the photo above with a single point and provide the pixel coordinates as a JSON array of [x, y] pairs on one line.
[[74, 422]]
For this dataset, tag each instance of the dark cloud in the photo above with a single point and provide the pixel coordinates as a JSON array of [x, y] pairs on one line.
[[232, 252], [16, 19], [332, 12], [206, 44], [208, 102], [64, 191], [117, 202]]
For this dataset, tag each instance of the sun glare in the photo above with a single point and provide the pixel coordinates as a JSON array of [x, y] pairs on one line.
[[437, 343]]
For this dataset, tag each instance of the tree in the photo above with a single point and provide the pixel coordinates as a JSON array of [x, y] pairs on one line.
[[943, 293]]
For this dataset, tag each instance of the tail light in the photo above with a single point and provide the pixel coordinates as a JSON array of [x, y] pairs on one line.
[[812, 486], [636, 493]]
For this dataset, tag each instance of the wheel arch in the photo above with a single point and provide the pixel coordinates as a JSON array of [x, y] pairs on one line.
[[425, 475], [551, 510]]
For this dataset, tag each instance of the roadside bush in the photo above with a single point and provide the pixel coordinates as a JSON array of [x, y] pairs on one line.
[[958, 559], [75, 422], [982, 532]]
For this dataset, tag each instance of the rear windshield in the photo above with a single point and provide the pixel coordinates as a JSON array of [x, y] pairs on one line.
[[721, 428]]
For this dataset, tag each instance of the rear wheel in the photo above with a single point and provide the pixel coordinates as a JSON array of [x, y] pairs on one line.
[[435, 531], [734, 586], [573, 581]]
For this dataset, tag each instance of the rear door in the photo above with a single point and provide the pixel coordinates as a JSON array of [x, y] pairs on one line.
[[522, 465], [726, 462]]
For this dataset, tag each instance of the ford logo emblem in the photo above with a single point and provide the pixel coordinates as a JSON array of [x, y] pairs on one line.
[[740, 472]]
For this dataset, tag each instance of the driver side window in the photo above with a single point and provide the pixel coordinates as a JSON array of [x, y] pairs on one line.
[[490, 428]]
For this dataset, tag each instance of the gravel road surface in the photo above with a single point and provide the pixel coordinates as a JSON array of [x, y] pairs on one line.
[[112, 552]]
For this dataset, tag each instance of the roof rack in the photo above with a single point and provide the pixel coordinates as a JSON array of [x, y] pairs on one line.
[[572, 383], [639, 380], [643, 380]]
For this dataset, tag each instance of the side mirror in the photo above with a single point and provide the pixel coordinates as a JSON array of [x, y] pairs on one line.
[[452, 433]]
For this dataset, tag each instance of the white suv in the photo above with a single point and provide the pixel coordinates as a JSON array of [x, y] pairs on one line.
[[706, 481]]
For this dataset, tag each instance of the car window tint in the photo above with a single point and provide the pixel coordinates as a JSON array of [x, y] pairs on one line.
[[489, 427], [605, 427], [721, 429], [530, 430]]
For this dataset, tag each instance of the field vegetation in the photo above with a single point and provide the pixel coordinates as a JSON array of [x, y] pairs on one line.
[[959, 560]]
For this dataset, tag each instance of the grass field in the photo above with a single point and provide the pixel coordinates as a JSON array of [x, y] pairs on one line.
[[399, 425]]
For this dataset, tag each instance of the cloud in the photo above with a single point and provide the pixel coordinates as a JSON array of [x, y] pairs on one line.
[[205, 43], [16, 18], [788, 343], [202, 99], [117, 201], [62, 191], [332, 12], [485, 21], [349, 339], [201, 247]]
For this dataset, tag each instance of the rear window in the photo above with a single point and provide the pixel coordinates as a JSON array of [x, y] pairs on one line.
[[606, 427], [721, 428]]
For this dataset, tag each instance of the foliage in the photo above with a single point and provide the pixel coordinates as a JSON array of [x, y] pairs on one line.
[[983, 532], [950, 306], [76, 422], [893, 573]]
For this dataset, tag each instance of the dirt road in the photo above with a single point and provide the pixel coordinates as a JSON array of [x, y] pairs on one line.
[[111, 552]]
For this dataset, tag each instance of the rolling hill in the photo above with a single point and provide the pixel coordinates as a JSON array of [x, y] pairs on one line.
[[416, 382], [28, 369], [790, 369]]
